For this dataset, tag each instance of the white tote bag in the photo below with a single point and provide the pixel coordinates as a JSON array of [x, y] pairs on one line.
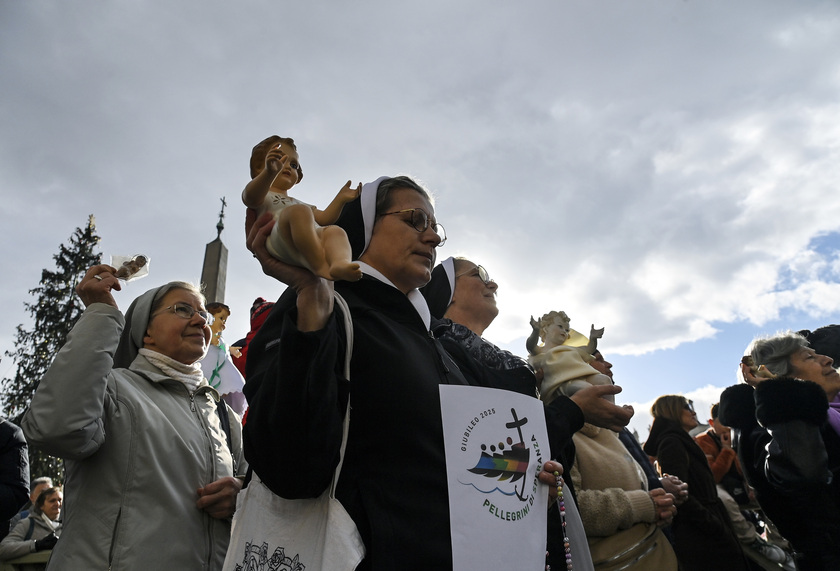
[[270, 532]]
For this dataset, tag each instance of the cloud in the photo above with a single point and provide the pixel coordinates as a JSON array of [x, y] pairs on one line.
[[661, 170]]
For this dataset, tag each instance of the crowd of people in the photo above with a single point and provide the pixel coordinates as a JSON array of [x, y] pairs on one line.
[[156, 458]]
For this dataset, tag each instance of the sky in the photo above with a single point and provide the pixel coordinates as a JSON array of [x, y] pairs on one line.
[[665, 169]]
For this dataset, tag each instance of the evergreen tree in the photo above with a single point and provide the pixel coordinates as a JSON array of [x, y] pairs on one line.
[[55, 312]]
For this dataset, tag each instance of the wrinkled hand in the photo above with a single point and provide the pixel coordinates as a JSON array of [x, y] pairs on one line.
[[218, 498], [663, 503], [676, 488], [96, 285], [548, 478], [47, 542], [753, 380], [348, 193], [595, 333], [599, 411]]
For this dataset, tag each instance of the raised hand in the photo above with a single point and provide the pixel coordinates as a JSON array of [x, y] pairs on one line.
[[96, 285], [348, 193]]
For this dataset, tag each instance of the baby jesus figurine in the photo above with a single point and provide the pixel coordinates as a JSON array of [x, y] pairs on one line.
[[302, 235], [564, 363]]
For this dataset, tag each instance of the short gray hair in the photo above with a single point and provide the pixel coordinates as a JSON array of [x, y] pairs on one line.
[[42, 480], [775, 352]]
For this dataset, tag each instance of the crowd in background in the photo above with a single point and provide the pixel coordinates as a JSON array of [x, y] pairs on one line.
[[150, 424]]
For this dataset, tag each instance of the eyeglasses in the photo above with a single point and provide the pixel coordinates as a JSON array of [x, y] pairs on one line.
[[689, 405], [481, 274], [420, 221], [187, 311]]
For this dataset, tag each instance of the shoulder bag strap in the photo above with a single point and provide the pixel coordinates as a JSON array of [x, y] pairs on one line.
[[348, 328]]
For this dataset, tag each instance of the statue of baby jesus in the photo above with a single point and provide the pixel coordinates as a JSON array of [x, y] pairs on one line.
[[302, 235], [565, 366]]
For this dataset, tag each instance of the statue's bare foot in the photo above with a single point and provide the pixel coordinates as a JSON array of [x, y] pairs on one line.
[[346, 271], [323, 271]]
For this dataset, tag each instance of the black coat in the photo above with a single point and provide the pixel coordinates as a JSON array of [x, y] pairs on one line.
[[14, 471], [703, 535], [393, 479], [563, 418], [789, 462]]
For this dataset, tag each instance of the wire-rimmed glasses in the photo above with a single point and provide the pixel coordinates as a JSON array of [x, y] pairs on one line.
[[421, 220]]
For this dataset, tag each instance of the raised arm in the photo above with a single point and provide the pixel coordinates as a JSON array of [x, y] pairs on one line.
[[256, 190], [294, 391], [594, 335], [66, 415], [533, 338], [331, 213]]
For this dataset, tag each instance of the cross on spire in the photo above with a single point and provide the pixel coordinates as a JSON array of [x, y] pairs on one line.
[[221, 225]]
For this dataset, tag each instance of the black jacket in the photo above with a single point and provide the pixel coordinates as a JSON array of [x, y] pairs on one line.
[[393, 479], [703, 535], [14, 472], [792, 460]]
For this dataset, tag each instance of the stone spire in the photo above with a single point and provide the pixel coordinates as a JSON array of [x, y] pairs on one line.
[[214, 272]]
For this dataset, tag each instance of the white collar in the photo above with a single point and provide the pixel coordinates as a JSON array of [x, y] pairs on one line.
[[414, 296]]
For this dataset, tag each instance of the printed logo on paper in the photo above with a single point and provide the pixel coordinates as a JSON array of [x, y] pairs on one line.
[[502, 460]]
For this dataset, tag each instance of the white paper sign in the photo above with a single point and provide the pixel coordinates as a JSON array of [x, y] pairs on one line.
[[496, 444]]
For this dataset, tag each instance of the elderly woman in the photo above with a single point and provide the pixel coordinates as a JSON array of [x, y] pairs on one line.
[[703, 535], [788, 446], [152, 455], [393, 478], [462, 295], [37, 532]]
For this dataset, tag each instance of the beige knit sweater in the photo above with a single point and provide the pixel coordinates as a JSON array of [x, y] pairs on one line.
[[611, 488]]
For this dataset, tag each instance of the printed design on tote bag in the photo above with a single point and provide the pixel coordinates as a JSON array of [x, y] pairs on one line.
[[256, 559]]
